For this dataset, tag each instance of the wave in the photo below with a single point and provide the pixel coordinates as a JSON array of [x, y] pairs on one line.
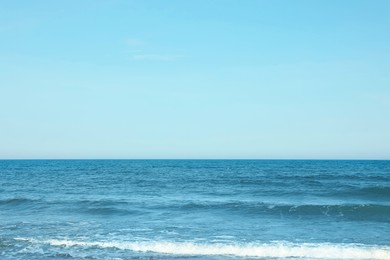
[[356, 211], [109, 211], [93, 207], [15, 201], [378, 191], [374, 212], [106, 207], [270, 250]]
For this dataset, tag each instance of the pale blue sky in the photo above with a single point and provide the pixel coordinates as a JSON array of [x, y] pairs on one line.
[[195, 79]]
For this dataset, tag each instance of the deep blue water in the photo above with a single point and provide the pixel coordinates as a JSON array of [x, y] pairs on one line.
[[194, 209]]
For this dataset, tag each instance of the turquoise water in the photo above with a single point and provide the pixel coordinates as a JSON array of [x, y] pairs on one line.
[[194, 209]]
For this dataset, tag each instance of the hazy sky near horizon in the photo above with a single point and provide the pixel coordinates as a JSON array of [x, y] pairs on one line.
[[195, 79]]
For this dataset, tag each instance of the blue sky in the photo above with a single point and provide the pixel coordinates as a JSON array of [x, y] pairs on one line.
[[195, 79]]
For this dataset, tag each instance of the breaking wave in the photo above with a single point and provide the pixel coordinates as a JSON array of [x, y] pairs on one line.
[[268, 250]]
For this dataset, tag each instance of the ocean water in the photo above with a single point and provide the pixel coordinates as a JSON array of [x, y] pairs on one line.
[[194, 209]]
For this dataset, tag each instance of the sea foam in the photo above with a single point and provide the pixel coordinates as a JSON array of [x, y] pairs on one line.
[[272, 250]]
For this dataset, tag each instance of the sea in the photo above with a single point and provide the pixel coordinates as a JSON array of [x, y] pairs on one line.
[[194, 209]]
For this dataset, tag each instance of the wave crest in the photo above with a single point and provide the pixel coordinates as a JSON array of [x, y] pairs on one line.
[[271, 250], [15, 201]]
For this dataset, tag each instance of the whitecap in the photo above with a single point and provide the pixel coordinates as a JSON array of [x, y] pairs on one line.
[[268, 250]]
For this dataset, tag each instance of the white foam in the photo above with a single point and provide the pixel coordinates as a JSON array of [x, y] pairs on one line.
[[272, 250]]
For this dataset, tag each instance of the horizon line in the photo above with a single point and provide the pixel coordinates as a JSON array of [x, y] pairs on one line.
[[190, 159]]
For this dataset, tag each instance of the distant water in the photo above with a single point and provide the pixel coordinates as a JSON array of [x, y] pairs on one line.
[[194, 209]]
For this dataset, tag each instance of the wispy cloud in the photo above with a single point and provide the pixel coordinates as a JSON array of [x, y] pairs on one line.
[[141, 51], [134, 42], [157, 57]]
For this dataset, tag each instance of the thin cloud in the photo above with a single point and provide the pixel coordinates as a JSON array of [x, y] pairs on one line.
[[134, 42], [157, 57]]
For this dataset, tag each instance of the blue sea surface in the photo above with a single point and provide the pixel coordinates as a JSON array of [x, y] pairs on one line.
[[194, 209]]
